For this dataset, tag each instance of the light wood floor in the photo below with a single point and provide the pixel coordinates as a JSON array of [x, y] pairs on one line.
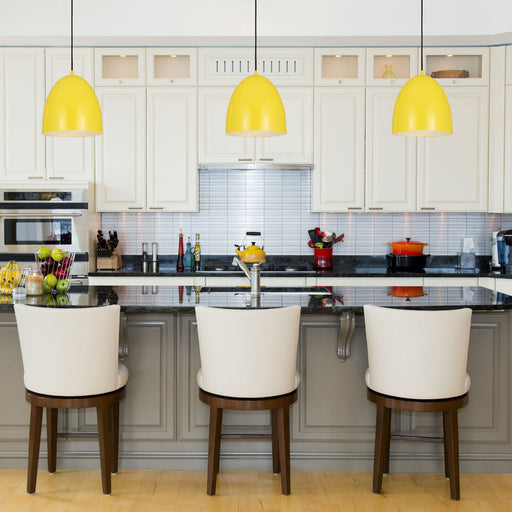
[[184, 491]]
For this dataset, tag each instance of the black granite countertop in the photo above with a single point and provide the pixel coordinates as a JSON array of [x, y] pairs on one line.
[[173, 299], [302, 266]]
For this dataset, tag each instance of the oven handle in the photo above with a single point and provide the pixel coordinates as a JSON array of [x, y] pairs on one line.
[[38, 215]]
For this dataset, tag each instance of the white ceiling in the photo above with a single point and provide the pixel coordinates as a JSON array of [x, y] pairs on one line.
[[34, 21]]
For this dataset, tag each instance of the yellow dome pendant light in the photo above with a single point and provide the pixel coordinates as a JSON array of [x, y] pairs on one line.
[[255, 108], [422, 108], [72, 108]]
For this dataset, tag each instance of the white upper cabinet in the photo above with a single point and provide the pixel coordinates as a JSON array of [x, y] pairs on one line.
[[171, 66], [22, 96], [453, 170], [171, 143], [120, 66], [457, 66], [390, 159], [390, 66], [338, 175], [121, 150], [214, 146], [340, 66], [229, 66], [296, 147], [69, 158]]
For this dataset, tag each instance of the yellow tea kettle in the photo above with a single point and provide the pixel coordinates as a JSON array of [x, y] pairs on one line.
[[251, 253]]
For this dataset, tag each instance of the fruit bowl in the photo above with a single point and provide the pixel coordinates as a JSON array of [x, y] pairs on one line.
[[55, 265]]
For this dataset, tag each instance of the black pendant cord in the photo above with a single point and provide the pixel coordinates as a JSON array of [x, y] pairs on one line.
[[421, 43], [256, 36], [71, 35]]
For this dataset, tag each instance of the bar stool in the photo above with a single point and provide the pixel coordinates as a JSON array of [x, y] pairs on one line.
[[70, 361], [249, 362], [417, 362]]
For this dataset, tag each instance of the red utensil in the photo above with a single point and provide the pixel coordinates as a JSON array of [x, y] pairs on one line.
[[310, 243]]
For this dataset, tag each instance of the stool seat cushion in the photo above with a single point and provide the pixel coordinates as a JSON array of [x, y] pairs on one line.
[[426, 394], [200, 383]]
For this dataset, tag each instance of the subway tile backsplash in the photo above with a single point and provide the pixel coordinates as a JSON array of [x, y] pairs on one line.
[[278, 204]]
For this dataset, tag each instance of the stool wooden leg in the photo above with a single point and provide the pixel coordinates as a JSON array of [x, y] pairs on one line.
[[114, 411], [214, 448], [381, 442], [453, 453], [51, 438], [103, 415], [275, 444], [446, 420], [385, 467], [36, 418], [283, 424]]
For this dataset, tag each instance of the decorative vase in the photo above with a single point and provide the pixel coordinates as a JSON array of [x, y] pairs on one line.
[[388, 73]]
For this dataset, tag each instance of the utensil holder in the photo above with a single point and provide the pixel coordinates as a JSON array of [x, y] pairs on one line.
[[323, 259]]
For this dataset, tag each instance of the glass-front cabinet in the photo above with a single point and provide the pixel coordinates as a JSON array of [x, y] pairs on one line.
[[390, 66], [120, 66], [340, 66], [171, 66]]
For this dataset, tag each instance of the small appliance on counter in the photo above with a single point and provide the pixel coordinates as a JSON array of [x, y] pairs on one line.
[[107, 257], [407, 256], [504, 250]]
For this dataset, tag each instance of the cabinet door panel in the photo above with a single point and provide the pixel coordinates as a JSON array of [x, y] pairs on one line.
[[453, 170], [69, 158], [390, 160], [214, 145], [121, 150], [22, 143], [338, 179], [296, 147], [172, 161]]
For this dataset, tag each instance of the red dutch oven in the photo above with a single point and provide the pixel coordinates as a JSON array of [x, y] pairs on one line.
[[407, 247], [406, 292]]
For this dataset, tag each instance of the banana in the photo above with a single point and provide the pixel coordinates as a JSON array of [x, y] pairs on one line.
[[10, 278]]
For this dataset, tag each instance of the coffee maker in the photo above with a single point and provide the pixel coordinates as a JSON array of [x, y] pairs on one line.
[[501, 249]]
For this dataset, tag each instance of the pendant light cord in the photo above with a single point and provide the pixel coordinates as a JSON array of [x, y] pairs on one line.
[[71, 35], [421, 43], [256, 36]]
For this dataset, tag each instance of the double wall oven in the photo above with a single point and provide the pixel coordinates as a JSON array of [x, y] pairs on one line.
[[32, 218]]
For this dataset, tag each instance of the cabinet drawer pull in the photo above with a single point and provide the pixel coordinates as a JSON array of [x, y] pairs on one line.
[[428, 208], [156, 207], [266, 159], [245, 159], [35, 177], [354, 208], [134, 207], [56, 177], [375, 208]]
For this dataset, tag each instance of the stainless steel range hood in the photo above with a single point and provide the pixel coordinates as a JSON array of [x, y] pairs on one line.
[[247, 166]]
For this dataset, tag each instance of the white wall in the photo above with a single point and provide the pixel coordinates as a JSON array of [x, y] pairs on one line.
[[142, 18]]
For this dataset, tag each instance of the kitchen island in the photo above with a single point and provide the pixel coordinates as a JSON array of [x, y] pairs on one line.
[[165, 426]]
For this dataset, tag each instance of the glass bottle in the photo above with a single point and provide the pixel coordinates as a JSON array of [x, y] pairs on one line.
[[388, 73], [179, 261], [197, 254], [188, 258]]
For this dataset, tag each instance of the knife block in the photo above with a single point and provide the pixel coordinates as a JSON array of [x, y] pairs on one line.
[[112, 263]]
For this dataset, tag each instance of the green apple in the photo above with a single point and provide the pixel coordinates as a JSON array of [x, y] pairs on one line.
[[49, 282], [43, 253], [62, 285], [57, 254]]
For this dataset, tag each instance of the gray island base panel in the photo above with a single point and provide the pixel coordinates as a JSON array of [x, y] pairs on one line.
[[165, 426]]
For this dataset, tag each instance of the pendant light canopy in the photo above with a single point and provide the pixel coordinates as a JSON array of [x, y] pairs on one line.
[[422, 108], [72, 108], [255, 108]]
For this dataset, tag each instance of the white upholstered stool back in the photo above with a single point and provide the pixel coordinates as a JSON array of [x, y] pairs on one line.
[[420, 355], [250, 353], [70, 352]]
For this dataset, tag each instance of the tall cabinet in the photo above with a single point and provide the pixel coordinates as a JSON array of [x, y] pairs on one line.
[[146, 159], [22, 96]]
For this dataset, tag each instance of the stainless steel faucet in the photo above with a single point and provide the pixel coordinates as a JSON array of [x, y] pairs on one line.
[[253, 275]]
